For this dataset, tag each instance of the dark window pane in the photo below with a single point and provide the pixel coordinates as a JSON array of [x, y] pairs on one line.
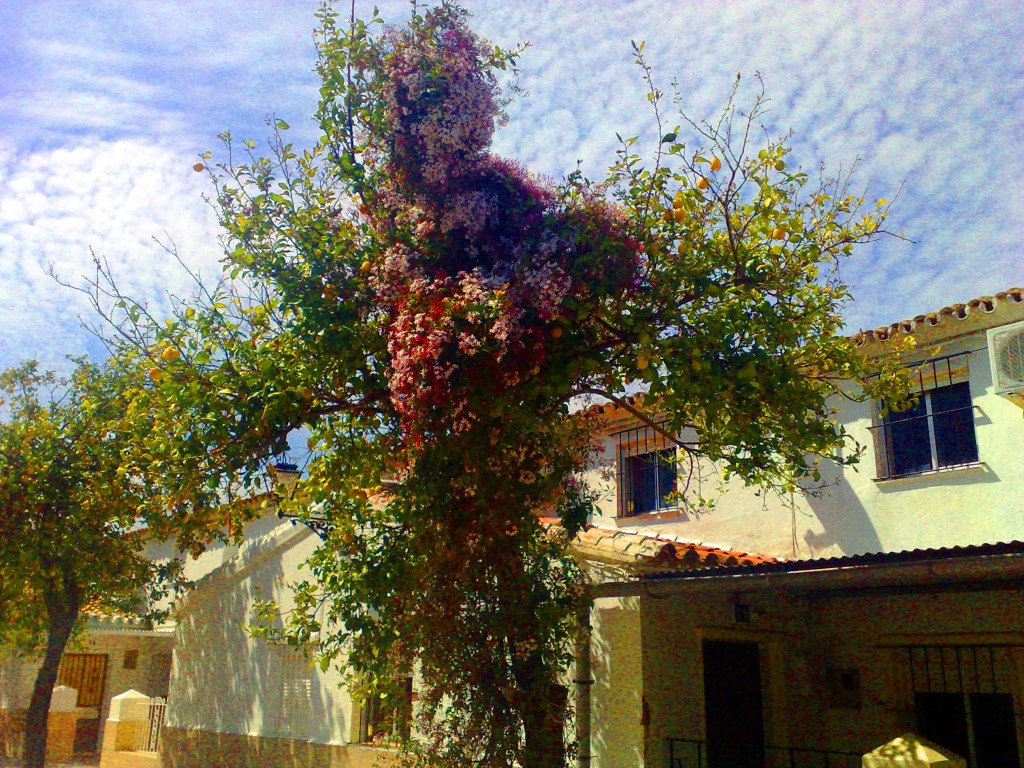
[[642, 478], [942, 718], [954, 425], [666, 477], [908, 441], [995, 730], [650, 479]]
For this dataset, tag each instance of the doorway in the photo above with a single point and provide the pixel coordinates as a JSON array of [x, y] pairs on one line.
[[733, 709]]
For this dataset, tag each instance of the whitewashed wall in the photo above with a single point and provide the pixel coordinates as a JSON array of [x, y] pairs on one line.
[[857, 514], [226, 681]]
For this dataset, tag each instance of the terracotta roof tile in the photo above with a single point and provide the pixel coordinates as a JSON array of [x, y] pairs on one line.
[[984, 304], [614, 409], [655, 551]]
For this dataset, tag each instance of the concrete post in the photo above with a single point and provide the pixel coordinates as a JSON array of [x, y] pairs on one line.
[[127, 712], [60, 725]]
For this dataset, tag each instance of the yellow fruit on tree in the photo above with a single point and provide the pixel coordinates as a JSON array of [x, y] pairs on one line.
[[154, 373], [702, 183], [556, 332], [642, 361], [170, 354], [715, 163], [680, 215], [779, 233], [366, 266], [198, 167], [679, 200]]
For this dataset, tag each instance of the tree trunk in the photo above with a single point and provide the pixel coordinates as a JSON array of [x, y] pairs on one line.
[[543, 713], [62, 605]]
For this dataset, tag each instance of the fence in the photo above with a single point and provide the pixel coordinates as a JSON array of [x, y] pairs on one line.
[[147, 735]]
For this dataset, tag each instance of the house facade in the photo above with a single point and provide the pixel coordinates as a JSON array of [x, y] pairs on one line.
[[765, 632], [895, 603], [112, 655]]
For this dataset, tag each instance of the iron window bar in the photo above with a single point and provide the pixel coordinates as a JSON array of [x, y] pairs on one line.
[[644, 484], [937, 432]]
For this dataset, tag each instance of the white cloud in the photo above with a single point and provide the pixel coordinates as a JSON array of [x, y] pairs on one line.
[[112, 197], [108, 103]]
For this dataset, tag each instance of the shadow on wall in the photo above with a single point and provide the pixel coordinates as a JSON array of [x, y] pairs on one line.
[[225, 681], [847, 527]]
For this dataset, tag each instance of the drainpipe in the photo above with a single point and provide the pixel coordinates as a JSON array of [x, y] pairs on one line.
[[583, 682]]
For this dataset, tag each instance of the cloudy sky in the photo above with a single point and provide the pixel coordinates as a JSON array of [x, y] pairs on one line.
[[106, 104]]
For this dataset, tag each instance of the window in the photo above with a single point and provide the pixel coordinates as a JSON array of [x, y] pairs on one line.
[[387, 718], [159, 674], [938, 431], [963, 700], [295, 695], [647, 471], [131, 660]]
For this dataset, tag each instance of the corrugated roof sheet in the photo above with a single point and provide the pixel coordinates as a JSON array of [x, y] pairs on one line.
[[995, 549]]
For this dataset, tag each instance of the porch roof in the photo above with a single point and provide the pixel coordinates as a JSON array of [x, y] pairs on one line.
[[965, 566]]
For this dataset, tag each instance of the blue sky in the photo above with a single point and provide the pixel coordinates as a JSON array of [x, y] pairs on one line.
[[106, 105]]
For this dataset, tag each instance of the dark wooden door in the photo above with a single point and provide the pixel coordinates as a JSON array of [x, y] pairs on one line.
[[87, 674], [732, 704]]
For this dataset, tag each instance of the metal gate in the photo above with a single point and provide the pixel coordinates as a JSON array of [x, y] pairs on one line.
[[147, 737]]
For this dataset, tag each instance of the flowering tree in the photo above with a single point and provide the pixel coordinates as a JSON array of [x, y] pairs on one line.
[[68, 522], [429, 311]]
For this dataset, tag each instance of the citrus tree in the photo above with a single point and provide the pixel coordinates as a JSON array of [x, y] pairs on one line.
[[431, 313], [69, 522]]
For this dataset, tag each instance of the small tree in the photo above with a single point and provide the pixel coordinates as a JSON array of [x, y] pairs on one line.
[[430, 311], [69, 538]]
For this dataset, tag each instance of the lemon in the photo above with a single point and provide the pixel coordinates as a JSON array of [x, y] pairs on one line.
[[170, 354], [715, 163], [702, 183]]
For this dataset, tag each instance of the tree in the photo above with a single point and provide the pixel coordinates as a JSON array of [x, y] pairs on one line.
[[430, 312], [69, 538]]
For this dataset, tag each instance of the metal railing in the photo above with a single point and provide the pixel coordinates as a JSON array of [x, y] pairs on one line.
[[698, 753], [147, 736]]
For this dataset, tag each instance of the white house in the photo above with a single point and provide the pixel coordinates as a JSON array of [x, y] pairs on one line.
[[895, 604], [767, 632]]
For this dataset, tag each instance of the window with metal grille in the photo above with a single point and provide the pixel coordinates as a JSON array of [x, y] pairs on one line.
[[935, 433], [159, 674], [963, 700], [647, 471], [295, 702]]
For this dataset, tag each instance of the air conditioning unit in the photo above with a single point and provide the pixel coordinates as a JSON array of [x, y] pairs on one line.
[[1006, 353]]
